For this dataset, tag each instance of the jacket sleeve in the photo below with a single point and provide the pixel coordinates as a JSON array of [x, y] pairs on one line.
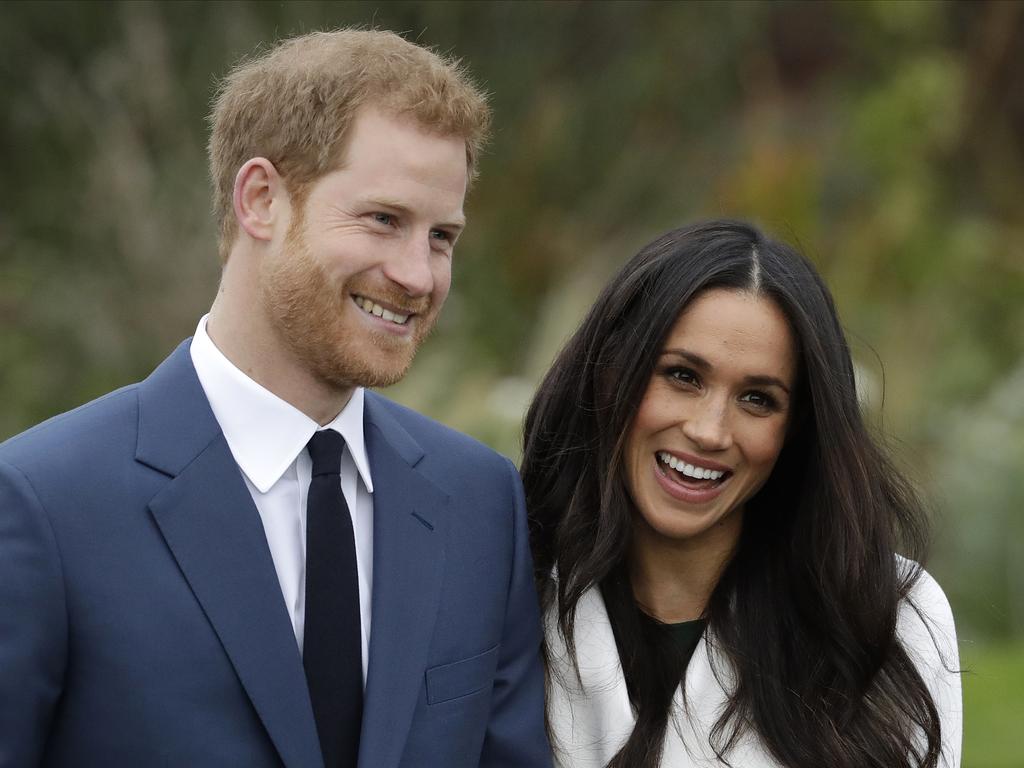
[[927, 632], [33, 622], [516, 733]]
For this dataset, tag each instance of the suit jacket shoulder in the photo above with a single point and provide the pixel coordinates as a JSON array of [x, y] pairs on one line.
[[68, 438], [429, 434], [462, 467]]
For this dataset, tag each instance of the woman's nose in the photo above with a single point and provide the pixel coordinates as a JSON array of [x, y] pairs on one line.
[[707, 426]]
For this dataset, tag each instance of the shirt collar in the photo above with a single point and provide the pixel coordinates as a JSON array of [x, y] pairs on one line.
[[265, 433]]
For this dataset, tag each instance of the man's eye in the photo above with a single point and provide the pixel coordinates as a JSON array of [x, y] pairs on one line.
[[383, 218], [440, 234]]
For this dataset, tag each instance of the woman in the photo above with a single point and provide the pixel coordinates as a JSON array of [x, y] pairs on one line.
[[715, 531]]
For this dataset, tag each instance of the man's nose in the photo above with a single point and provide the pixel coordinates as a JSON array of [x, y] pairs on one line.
[[409, 267]]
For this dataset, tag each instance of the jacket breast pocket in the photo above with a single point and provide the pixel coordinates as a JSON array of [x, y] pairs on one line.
[[461, 678]]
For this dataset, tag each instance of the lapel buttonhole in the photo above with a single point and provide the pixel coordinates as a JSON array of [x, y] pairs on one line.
[[426, 523]]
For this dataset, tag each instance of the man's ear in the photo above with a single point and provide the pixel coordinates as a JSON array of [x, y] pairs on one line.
[[258, 196]]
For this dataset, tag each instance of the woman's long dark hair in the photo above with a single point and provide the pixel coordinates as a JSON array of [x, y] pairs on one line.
[[805, 611]]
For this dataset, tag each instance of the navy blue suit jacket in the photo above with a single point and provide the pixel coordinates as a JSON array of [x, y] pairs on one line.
[[142, 623]]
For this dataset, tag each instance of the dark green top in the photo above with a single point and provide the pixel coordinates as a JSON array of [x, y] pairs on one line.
[[685, 635]]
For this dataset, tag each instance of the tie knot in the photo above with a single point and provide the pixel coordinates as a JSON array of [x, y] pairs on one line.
[[325, 449]]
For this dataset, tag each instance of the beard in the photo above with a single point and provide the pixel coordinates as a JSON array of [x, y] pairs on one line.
[[317, 320]]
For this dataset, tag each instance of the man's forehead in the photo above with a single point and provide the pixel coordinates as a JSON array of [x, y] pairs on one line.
[[373, 129]]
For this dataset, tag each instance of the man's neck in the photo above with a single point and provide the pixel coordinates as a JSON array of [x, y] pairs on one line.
[[248, 340]]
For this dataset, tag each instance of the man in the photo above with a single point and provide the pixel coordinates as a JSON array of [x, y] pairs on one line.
[[183, 582]]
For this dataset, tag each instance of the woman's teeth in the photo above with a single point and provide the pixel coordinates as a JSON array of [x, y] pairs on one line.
[[377, 310], [697, 473]]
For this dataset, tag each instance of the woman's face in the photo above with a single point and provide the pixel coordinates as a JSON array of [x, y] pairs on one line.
[[713, 420]]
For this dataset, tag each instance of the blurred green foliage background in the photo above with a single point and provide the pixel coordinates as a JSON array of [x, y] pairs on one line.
[[885, 139]]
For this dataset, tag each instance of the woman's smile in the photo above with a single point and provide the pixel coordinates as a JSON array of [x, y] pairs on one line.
[[695, 482]]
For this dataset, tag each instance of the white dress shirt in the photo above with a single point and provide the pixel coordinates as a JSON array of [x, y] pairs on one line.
[[267, 437]]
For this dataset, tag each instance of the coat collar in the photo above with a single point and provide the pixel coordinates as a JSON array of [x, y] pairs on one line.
[[590, 713], [175, 420]]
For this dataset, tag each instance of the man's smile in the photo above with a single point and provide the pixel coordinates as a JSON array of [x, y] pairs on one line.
[[371, 307]]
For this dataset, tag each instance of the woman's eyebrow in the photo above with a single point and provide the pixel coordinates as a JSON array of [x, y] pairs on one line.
[[692, 357], [766, 381], [759, 380]]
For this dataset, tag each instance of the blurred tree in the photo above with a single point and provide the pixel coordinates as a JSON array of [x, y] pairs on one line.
[[886, 139]]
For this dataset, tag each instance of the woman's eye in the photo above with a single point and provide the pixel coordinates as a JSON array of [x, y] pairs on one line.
[[759, 400], [683, 376]]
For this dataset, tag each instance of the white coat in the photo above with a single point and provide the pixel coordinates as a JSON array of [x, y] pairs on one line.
[[591, 717]]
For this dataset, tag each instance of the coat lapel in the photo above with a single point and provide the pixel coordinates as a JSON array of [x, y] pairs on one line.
[[409, 518], [591, 716], [213, 529]]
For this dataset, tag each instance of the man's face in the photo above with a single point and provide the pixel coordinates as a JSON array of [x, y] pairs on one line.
[[366, 264]]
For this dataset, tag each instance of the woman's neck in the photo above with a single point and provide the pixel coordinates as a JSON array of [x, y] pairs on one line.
[[673, 580]]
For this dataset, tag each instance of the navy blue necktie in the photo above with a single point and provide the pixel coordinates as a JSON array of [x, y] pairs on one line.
[[332, 645]]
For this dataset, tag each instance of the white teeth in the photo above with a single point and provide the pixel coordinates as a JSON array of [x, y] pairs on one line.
[[377, 310], [697, 473]]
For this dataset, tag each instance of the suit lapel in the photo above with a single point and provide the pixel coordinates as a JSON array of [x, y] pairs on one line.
[[409, 514], [213, 529]]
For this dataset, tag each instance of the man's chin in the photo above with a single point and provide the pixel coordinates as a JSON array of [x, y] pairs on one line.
[[366, 373], [381, 379]]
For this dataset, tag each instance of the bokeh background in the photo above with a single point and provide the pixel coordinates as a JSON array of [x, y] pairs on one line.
[[885, 139]]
